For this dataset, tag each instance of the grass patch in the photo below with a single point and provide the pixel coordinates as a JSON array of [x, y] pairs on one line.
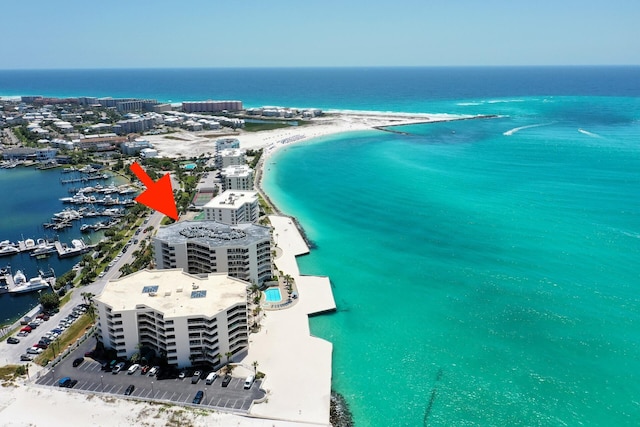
[[68, 337], [264, 205], [66, 298]]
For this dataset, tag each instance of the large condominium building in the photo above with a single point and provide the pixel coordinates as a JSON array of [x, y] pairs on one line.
[[233, 207], [238, 177], [230, 157], [189, 319], [242, 251], [211, 106]]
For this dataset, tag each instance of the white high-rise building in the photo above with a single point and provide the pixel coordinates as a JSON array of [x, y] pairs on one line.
[[242, 251], [233, 207], [189, 319], [230, 157], [237, 178]]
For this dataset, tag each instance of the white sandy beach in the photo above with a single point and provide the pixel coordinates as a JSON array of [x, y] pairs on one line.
[[188, 144]]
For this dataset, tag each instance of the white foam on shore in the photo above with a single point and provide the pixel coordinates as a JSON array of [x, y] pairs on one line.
[[514, 130]]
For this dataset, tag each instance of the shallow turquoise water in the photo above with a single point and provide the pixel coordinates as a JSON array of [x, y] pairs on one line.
[[485, 271]]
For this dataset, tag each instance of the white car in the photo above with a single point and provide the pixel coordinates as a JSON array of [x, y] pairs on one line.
[[153, 371], [34, 350], [133, 368]]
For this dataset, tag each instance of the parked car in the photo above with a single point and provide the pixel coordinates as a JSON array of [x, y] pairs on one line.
[[25, 358], [196, 377], [65, 382], [198, 398], [22, 333], [144, 369], [249, 382], [118, 368], [41, 345], [78, 361], [12, 340], [182, 374], [34, 350], [211, 377], [226, 380], [153, 370], [133, 368], [129, 390]]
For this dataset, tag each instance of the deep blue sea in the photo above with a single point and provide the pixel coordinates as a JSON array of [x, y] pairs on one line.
[[485, 271]]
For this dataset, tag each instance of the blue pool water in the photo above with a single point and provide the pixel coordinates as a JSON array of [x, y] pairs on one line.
[[273, 295], [190, 166]]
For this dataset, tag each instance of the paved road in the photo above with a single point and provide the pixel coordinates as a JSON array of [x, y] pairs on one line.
[[10, 353]]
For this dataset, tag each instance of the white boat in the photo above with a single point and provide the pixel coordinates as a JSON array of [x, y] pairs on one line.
[[21, 285], [9, 250]]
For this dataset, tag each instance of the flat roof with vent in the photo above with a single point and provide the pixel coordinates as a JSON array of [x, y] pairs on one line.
[[207, 295]]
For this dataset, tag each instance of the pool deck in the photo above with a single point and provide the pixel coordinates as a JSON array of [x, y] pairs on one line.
[[297, 365]]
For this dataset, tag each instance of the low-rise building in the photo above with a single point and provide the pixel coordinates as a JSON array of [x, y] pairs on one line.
[[233, 207], [242, 251], [189, 319]]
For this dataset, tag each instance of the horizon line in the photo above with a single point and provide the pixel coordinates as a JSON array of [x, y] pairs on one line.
[[294, 67]]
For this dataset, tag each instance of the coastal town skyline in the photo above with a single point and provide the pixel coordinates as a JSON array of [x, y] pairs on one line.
[[331, 34]]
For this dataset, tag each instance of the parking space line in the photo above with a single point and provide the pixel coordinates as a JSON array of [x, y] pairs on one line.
[[164, 394]]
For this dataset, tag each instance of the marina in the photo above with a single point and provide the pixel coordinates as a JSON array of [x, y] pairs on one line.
[[19, 284]]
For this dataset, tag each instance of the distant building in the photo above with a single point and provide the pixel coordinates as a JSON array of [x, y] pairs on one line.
[[211, 106], [237, 178], [104, 142], [224, 143], [230, 157], [133, 148], [190, 319], [242, 251], [233, 207], [148, 153]]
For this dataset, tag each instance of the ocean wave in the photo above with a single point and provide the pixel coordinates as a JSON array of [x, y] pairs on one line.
[[468, 104], [400, 114], [504, 101], [591, 134], [514, 130]]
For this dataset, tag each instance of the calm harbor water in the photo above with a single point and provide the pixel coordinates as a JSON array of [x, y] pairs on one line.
[[30, 198]]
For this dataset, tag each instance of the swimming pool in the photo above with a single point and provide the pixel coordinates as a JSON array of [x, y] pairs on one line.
[[273, 295], [189, 166]]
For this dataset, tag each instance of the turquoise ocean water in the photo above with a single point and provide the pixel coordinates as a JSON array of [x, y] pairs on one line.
[[485, 271]]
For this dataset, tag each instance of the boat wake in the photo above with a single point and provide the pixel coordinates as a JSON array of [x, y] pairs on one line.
[[518, 129], [591, 134]]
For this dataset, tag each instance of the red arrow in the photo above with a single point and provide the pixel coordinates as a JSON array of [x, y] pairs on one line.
[[158, 195]]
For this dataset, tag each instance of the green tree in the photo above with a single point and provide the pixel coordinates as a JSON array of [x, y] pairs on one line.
[[49, 300]]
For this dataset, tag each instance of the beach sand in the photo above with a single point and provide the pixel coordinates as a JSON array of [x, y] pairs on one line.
[[194, 144]]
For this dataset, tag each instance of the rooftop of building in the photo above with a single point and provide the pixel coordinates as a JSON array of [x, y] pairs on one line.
[[213, 234], [232, 198], [174, 292]]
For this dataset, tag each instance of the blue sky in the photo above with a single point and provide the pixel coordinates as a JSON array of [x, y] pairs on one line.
[[284, 33]]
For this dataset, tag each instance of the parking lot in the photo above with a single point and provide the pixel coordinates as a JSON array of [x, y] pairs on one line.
[[179, 391]]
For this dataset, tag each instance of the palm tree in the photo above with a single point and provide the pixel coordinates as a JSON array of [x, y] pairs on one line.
[[87, 297], [254, 289], [255, 367], [228, 354]]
